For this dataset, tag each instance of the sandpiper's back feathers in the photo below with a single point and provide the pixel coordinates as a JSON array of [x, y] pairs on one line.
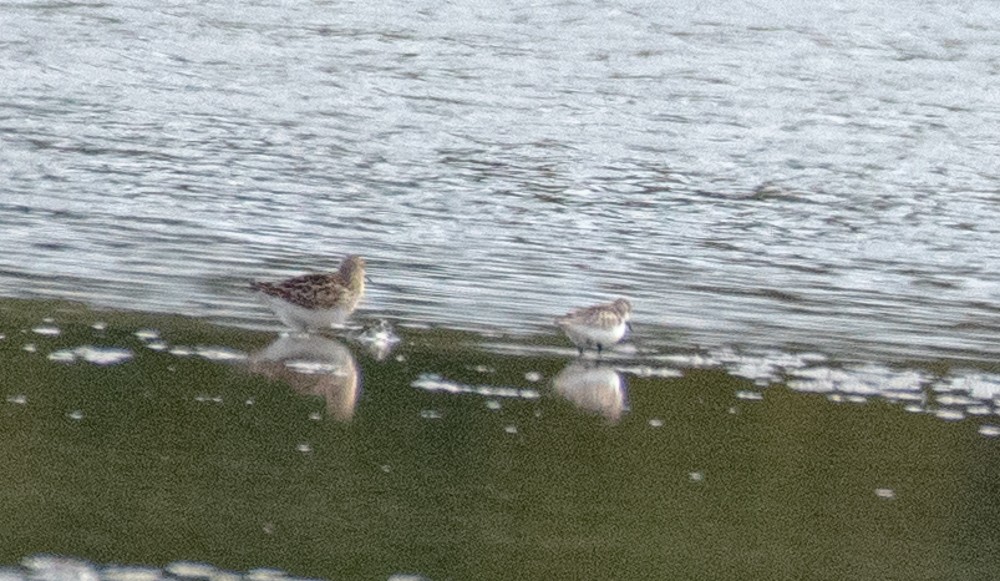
[[601, 316], [310, 291]]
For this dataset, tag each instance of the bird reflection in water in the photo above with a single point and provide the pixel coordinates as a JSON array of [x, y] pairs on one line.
[[316, 366], [594, 388]]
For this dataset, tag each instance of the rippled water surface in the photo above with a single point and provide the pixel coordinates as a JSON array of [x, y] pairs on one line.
[[751, 174]]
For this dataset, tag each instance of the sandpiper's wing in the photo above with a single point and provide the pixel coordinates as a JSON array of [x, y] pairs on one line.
[[309, 290]]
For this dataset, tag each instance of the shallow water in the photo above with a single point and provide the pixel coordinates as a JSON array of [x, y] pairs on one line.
[[174, 447], [800, 202], [754, 176]]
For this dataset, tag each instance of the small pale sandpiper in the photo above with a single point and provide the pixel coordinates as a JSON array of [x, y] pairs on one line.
[[597, 327]]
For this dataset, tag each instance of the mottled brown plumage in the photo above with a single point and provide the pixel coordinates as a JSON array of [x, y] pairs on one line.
[[317, 300]]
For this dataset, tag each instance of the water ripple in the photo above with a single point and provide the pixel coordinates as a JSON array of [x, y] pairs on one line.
[[818, 178]]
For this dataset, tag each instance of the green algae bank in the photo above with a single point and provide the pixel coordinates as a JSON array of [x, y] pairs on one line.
[[130, 439]]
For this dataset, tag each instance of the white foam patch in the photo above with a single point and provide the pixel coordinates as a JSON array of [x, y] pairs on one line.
[[989, 431], [434, 382], [130, 573], [952, 398], [47, 330], [980, 386], [949, 415], [955, 400], [649, 371], [192, 569], [91, 354], [695, 360], [841, 398], [865, 380], [58, 567], [103, 355], [315, 367], [380, 340], [220, 354], [63, 356], [406, 577], [204, 398], [762, 368], [267, 574], [903, 396], [147, 334]]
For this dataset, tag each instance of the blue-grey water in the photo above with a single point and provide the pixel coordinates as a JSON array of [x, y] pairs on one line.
[[750, 174], [806, 193]]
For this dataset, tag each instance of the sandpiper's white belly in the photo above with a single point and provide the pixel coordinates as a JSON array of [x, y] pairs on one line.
[[303, 319], [583, 335]]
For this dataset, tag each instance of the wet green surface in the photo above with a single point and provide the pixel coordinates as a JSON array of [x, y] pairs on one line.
[[460, 461]]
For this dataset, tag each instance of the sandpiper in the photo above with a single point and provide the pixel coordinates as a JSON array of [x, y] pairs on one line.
[[597, 327], [317, 301]]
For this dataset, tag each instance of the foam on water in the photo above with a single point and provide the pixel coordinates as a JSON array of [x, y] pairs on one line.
[[65, 568], [223, 354], [92, 354], [46, 330], [148, 334], [434, 382]]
